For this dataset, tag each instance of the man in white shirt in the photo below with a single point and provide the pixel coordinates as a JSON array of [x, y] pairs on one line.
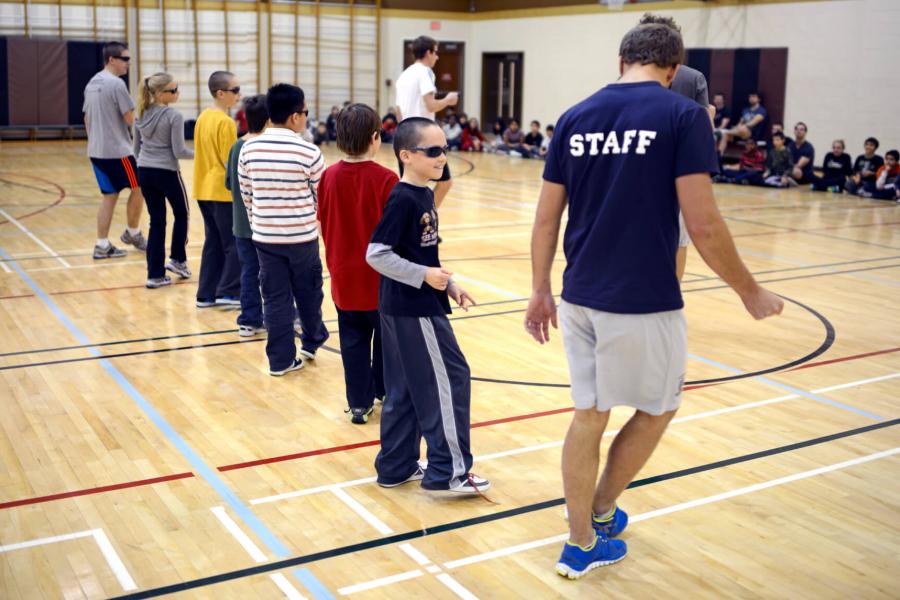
[[415, 98]]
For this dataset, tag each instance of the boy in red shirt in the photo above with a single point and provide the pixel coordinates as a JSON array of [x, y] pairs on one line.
[[750, 168], [352, 195]]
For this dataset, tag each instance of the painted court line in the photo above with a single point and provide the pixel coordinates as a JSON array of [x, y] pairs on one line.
[[106, 548], [255, 553], [377, 583], [679, 507], [555, 444], [198, 464], [406, 548], [35, 239], [791, 389]]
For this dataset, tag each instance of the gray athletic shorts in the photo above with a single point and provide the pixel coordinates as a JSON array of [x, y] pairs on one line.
[[625, 360]]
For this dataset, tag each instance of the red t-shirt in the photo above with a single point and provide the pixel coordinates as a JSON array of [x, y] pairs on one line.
[[351, 199]]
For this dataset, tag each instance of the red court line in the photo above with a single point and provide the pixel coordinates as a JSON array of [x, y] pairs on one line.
[[370, 443], [846, 358], [95, 490]]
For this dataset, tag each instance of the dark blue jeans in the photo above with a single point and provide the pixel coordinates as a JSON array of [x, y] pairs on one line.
[[251, 301], [291, 273], [360, 334]]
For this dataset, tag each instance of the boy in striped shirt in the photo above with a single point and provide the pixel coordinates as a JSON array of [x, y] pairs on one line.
[[278, 174]]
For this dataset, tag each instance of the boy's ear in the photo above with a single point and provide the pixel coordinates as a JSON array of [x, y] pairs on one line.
[[404, 156]]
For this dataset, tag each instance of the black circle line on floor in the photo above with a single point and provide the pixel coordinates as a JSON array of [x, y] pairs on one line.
[[505, 514]]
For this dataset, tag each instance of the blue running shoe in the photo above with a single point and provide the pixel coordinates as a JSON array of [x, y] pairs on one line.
[[612, 526], [576, 561]]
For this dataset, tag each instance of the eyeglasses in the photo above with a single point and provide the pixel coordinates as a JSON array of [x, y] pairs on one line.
[[432, 151], [123, 58], [174, 90], [235, 90], [304, 112]]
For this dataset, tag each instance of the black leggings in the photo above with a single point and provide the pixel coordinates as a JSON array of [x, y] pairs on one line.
[[157, 185]]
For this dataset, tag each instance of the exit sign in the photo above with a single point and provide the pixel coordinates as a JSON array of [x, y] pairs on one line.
[[435, 25]]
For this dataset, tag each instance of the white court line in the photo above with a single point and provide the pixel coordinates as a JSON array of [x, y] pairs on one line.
[[678, 507], [376, 583], [363, 512], [35, 238], [106, 548], [242, 538], [856, 383], [5, 268], [255, 553], [486, 285], [407, 549]]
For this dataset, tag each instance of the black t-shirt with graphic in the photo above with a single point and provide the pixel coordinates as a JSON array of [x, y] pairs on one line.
[[835, 166], [409, 226], [868, 164]]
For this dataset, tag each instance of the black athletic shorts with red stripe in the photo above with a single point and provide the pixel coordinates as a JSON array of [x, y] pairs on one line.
[[115, 174]]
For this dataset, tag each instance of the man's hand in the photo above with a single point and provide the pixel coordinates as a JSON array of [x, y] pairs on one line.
[[452, 98], [438, 277], [461, 297], [540, 314], [762, 303]]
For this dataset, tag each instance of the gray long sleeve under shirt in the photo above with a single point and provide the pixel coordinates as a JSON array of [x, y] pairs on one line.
[[159, 138], [383, 259]]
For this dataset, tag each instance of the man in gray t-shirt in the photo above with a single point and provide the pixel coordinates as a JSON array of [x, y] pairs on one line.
[[108, 117]]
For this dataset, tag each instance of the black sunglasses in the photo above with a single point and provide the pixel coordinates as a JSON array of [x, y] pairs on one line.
[[432, 151], [235, 90], [174, 90], [123, 58], [304, 112]]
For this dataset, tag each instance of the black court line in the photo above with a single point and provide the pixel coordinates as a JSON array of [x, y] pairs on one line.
[[522, 510], [458, 318]]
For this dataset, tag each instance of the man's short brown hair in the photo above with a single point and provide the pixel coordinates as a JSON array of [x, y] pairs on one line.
[[356, 125], [421, 45], [113, 50], [653, 43]]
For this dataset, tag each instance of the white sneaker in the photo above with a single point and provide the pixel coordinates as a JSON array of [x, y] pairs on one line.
[[179, 268], [417, 476], [158, 282], [471, 484], [249, 330], [307, 355]]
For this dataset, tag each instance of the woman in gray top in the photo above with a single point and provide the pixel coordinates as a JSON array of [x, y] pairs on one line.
[[158, 144]]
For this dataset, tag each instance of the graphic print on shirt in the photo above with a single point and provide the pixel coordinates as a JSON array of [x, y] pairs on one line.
[[429, 229]]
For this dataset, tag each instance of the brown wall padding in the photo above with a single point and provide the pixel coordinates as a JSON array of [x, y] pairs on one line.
[[772, 83], [53, 93], [721, 75], [22, 64]]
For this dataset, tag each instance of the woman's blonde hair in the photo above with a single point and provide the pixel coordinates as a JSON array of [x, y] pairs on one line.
[[149, 86]]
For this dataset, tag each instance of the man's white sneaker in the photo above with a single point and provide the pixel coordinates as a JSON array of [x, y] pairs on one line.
[[470, 484]]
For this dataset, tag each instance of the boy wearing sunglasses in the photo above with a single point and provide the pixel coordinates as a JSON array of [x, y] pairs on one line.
[[426, 375], [214, 135]]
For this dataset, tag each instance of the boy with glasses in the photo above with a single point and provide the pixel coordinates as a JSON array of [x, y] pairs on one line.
[[214, 135], [279, 173], [426, 376], [108, 117]]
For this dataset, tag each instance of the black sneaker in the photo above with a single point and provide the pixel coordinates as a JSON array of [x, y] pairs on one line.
[[360, 416], [108, 252], [308, 354], [294, 366], [418, 475]]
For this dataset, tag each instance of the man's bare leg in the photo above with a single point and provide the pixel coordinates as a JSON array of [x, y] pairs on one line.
[[105, 214], [441, 189], [628, 453], [580, 462], [134, 209]]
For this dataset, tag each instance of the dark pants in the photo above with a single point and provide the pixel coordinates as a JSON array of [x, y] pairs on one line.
[[751, 176], [821, 184], [158, 185], [428, 390], [291, 273], [251, 301], [360, 334], [220, 270]]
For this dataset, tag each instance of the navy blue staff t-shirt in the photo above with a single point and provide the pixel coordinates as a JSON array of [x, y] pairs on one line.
[[409, 226], [618, 153]]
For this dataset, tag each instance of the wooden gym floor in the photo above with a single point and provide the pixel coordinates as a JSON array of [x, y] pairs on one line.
[[144, 449]]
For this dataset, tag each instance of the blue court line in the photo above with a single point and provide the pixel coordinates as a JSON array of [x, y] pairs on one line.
[[790, 388], [275, 545]]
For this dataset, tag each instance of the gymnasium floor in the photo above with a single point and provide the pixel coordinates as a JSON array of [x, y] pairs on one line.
[[144, 449]]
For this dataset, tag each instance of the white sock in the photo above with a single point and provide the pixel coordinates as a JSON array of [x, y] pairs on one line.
[[607, 516], [133, 231], [103, 242]]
